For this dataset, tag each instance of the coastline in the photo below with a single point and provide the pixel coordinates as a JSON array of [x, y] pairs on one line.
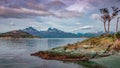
[[91, 48]]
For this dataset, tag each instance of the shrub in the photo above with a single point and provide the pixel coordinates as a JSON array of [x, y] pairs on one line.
[[118, 35]]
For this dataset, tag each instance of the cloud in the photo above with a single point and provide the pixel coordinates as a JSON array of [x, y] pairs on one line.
[[95, 16], [36, 6], [80, 6], [56, 5], [6, 12], [84, 28], [68, 14], [56, 8], [12, 23], [30, 8], [53, 24], [78, 23]]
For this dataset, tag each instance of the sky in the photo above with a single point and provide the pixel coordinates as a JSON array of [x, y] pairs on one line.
[[76, 16]]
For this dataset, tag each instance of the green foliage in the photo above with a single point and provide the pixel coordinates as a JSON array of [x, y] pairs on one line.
[[118, 35]]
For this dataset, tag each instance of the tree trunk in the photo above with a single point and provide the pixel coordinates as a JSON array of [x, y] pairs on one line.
[[105, 27], [116, 28], [109, 26], [117, 24]]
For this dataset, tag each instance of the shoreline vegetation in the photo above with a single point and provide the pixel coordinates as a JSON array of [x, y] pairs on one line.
[[91, 48]]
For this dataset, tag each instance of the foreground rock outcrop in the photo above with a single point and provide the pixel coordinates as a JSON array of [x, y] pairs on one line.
[[90, 48]]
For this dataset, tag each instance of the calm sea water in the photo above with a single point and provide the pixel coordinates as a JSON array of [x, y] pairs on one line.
[[15, 53]]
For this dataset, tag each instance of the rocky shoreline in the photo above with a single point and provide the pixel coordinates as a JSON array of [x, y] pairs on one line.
[[82, 51], [49, 56]]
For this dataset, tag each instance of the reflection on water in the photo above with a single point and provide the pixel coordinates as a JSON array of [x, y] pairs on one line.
[[90, 64], [15, 53], [87, 64]]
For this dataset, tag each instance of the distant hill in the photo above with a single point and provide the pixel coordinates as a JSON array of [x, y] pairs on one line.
[[50, 33], [17, 34], [90, 34]]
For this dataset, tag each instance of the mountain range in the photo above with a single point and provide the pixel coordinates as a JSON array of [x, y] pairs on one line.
[[49, 33], [56, 33]]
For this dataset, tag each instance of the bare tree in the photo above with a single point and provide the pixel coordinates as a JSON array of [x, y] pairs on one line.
[[107, 17], [114, 14], [104, 17], [115, 34]]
